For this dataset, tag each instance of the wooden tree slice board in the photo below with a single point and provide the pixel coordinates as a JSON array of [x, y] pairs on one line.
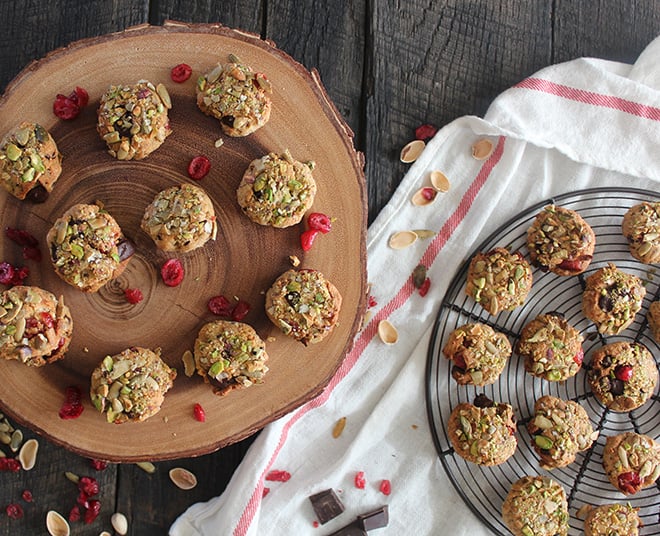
[[243, 261]]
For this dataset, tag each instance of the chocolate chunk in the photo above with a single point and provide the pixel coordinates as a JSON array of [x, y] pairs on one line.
[[326, 505], [125, 249], [375, 519], [38, 194], [354, 529]]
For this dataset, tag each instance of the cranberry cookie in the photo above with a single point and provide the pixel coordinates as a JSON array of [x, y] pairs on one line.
[[641, 227], [631, 461]]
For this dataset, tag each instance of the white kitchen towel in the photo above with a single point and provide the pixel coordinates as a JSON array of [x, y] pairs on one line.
[[576, 125]]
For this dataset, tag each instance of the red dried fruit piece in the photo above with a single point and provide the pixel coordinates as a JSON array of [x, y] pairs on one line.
[[199, 413], [360, 481], [265, 492], [429, 193], [72, 406], [629, 482], [319, 221], [172, 272], [6, 273], [83, 500], [574, 265], [315, 524], [21, 237], [88, 485], [307, 239], [79, 96], [385, 487], [623, 372], [579, 357], [425, 132], [240, 311], [32, 253], [221, 306], [68, 107], [14, 511], [10, 464], [424, 289], [20, 274], [459, 361], [180, 73], [74, 514], [372, 302], [27, 495], [133, 295], [199, 167], [278, 476], [92, 511], [99, 465]]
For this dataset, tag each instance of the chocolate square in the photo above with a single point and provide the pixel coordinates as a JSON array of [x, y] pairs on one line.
[[326, 505], [354, 529], [375, 519]]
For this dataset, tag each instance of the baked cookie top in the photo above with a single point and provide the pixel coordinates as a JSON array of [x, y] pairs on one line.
[[180, 218], [132, 119], [483, 435], [131, 385], [304, 305], [641, 227], [631, 461], [499, 280], [230, 355], [653, 317], [84, 247], [622, 375], [551, 347], [612, 298], [35, 326], [277, 190], [559, 430], [478, 352], [235, 95], [561, 241], [30, 162], [608, 519], [536, 505]]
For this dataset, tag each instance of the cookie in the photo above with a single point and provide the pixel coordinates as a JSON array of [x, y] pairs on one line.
[[560, 241], [30, 162], [478, 352], [87, 247], [622, 375], [483, 435], [559, 430], [304, 305], [131, 385], [609, 519], [611, 299], [277, 190], [180, 218], [230, 355], [536, 505], [132, 119], [551, 347], [653, 317], [641, 227], [235, 95], [631, 461], [499, 280], [35, 326]]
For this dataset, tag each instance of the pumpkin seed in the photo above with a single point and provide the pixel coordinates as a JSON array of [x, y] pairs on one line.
[[16, 440], [387, 332], [439, 181], [28, 454], [411, 151], [402, 239], [339, 427], [183, 478], [424, 233], [56, 524], [119, 523], [482, 149]]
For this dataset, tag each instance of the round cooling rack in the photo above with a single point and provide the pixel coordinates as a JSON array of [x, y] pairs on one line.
[[484, 488]]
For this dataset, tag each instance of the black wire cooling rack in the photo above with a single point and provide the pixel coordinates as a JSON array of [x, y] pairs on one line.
[[484, 489]]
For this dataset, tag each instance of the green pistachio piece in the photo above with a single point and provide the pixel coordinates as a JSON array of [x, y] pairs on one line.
[[13, 152]]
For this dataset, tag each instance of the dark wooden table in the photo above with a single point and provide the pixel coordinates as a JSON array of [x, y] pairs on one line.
[[389, 67]]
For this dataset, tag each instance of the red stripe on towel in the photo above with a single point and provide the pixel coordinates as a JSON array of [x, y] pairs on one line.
[[589, 97], [371, 329]]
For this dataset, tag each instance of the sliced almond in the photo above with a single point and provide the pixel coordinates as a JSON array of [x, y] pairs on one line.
[[411, 151], [28, 454], [147, 467], [387, 332], [482, 149], [402, 239], [439, 181], [56, 524], [188, 363], [424, 196], [183, 478]]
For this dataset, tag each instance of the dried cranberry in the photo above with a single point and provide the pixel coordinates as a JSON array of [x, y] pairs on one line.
[[31, 253], [429, 193], [371, 302], [92, 511], [21, 237], [459, 361], [221, 306], [88, 485], [318, 220], [199, 167], [14, 511], [579, 357], [99, 465], [180, 73], [629, 482], [68, 107], [27, 495], [199, 413], [172, 272], [20, 274], [360, 481], [425, 132], [10, 464], [83, 500], [307, 239], [278, 476], [74, 514], [265, 492], [385, 487], [574, 265], [6, 273], [424, 289], [623, 372], [133, 295], [79, 96], [315, 524], [72, 406], [240, 311]]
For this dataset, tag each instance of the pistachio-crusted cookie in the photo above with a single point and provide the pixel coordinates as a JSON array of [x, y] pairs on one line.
[[561, 241], [87, 247], [30, 162], [536, 505], [631, 461], [622, 375], [559, 430], [479, 354], [230, 355], [132, 119], [641, 227], [131, 385], [235, 95], [499, 280], [304, 305], [551, 347], [612, 519], [180, 218], [611, 299], [35, 326], [277, 190], [653, 317], [483, 434]]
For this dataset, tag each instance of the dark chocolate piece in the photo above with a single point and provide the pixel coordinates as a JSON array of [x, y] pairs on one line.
[[375, 519], [354, 529], [326, 505]]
